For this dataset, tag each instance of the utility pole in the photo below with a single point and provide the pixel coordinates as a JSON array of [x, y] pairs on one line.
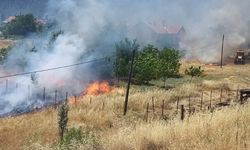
[[222, 49], [129, 81]]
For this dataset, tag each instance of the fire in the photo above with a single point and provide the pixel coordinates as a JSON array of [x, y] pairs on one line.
[[97, 87], [93, 89]]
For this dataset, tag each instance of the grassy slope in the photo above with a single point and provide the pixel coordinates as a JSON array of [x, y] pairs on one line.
[[223, 129]]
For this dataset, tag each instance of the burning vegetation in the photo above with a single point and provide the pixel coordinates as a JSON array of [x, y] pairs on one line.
[[93, 89], [97, 88]]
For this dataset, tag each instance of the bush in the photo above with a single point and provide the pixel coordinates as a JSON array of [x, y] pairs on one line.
[[4, 53], [62, 119], [194, 71], [22, 25], [75, 138]]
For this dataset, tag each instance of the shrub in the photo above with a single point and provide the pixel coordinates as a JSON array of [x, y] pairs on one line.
[[76, 138], [62, 119], [194, 71], [3, 53]]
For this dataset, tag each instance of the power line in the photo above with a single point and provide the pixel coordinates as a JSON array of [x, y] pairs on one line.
[[55, 68]]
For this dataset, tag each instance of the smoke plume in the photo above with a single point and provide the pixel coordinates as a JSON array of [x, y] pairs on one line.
[[91, 28]]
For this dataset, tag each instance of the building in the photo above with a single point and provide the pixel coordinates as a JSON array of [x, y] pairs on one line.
[[159, 34]]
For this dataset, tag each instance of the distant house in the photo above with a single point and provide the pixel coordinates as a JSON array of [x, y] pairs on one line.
[[159, 34]]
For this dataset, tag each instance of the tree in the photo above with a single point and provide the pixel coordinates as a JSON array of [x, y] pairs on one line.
[[62, 119], [169, 64], [146, 64], [124, 51], [21, 25], [194, 71], [4, 53]]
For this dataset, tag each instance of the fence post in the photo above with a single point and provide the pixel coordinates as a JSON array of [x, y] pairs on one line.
[[66, 97], [201, 100], [55, 98], [90, 100], [162, 111], [147, 111], [44, 94], [220, 95], [178, 100], [153, 105], [7, 85], [75, 100], [210, 103], [28, 92], [103, 105], [182, 112], [237, 91], [189, 104]]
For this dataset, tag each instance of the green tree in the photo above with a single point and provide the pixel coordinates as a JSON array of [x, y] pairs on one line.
[[62, 119], [146, 64], [22, 25], [194, 71], [4, 53], [169, 64], [124, 51]]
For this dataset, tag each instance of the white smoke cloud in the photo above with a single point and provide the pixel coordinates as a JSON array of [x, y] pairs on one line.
[[91, 28]]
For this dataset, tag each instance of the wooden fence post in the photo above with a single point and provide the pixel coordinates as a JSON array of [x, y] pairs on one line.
[[220, 95], [55, 98], [75, 100], [237, 91], [182, 112], [66, 100], [7, 85], [162, 111], [201, 100], [210, 103], [178, 100], [153, 105], [103, 105], [28, 92], [44, 94], [147, 111], [189, 104]]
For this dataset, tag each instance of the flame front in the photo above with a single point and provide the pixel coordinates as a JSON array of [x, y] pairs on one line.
[[97, 87], [93, 89]]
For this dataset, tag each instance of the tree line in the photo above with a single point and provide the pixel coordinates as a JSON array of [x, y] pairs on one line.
[[150, 62]]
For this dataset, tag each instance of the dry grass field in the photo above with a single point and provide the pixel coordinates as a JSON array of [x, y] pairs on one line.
[[5, 43], [101, 120]]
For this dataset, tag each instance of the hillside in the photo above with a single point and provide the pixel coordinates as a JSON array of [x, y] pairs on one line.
[[104, 127]]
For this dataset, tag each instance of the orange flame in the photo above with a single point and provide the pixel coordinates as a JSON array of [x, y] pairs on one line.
[[97, 88]]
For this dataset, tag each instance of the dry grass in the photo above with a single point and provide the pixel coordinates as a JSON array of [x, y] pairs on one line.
[[221, 130], [224, 129], [5, 43]]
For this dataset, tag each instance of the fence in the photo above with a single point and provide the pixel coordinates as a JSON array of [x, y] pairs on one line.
[[189, 105]]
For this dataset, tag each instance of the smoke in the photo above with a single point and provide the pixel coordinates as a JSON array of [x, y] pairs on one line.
[[90, 30]]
